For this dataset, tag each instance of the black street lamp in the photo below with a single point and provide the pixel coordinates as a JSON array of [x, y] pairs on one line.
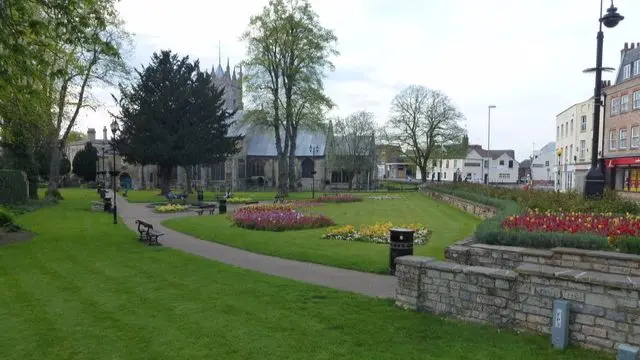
[[114, 130], [594, 184], [313, 150]]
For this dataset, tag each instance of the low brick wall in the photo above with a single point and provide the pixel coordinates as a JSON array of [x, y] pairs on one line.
[[604, 308], [510, 257], [479, 210]]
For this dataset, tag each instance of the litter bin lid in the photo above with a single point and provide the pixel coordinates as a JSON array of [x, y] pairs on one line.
[[402, 230]]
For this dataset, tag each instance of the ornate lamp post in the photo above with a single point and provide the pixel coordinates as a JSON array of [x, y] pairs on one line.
[[594, 184], [114, 130], [313, 150]]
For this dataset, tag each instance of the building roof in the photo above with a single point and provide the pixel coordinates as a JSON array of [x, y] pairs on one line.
[[524, 164], [550, 147], [262, 143], [629, 56], [494, 154]]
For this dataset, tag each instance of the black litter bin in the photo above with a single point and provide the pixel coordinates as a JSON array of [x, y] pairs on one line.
[[401, 244], [107, 204], [222, 206]]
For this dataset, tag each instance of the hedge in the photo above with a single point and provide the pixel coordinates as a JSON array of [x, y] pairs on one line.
[[13, 187], [490, 231]]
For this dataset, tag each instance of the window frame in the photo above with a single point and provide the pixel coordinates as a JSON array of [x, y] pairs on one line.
[[615, 106], [624, 103], [626, 72], [583, 123], [636, 67], [636, 100], [622, 145], [635, 139], [613, 139], [581, 152]]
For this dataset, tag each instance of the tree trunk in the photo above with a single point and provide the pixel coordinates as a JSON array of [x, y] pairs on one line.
[[142, 184], [423, 172], [291, 166], [164, 173], [187, 186], [54, 173]]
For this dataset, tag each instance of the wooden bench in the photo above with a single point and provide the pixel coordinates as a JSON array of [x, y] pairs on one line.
[[211, 208], [147, 234], [279, 199]]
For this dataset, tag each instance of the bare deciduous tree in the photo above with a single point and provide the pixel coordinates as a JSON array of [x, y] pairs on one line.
[[424, 122], [353, 145]]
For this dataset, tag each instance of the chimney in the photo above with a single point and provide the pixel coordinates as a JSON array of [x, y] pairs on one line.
[[626, 46], [633, 46], [91, 133], [104, 133]]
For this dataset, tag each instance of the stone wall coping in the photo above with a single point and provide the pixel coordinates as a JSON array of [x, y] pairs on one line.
[[489, 207], [598, 253], [590, 277], [412, 260], [515, 249], [491, 272]]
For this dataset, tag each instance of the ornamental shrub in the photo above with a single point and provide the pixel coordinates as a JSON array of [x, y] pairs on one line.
[[6, 217], [13, 187]]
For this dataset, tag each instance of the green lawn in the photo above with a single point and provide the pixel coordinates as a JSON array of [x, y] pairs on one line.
[[448, 225], [83, 288]]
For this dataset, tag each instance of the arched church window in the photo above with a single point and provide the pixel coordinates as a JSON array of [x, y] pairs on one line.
[[256, 168]]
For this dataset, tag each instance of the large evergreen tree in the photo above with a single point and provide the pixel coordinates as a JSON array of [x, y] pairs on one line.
[[85, 162], [173, 115]]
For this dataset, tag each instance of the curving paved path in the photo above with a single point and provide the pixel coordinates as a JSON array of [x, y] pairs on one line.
[[363, 283]]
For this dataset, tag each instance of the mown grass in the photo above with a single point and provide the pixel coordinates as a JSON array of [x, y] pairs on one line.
[[84, 288], [447, 224]]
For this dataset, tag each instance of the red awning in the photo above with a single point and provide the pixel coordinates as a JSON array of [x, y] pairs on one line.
[[623, 161]]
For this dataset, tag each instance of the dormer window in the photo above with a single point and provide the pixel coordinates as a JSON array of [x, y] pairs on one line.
[[636, 67], [626, 72]]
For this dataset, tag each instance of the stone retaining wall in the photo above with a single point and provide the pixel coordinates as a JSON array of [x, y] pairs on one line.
[[510, 257], [604, 308], [479, 210]]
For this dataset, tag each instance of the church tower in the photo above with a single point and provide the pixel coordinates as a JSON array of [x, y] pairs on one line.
[[231, 83]]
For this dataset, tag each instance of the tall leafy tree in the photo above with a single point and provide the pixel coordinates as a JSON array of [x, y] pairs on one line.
[[425, 122], [352, 145], [93, 59], [173, 115], [85, 162], [288, 53]]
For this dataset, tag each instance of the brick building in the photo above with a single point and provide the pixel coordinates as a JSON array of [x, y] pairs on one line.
[[622, 123]]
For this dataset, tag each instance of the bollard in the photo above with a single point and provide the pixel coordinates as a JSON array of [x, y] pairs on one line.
[[628, 352], [560, 324], [400, 244], [222, 206]]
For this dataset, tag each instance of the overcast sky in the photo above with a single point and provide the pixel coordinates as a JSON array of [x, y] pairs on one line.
[[524, 56]]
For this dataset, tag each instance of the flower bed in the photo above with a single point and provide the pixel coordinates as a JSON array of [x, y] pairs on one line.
[[171, 208], [377, 233], [338, 198], [239, 200], [384, 197], [277, 217], [610, 226]]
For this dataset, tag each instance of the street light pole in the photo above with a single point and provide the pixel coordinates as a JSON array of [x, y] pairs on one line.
[[489, 144], [114, 130], [313, 150], [594, 183]]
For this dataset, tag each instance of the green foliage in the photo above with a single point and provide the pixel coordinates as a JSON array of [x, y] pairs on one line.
[[6, 217], [173, 115], [85, 162], [550, 200], [629, 244], [13, 187], [65, 165]]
